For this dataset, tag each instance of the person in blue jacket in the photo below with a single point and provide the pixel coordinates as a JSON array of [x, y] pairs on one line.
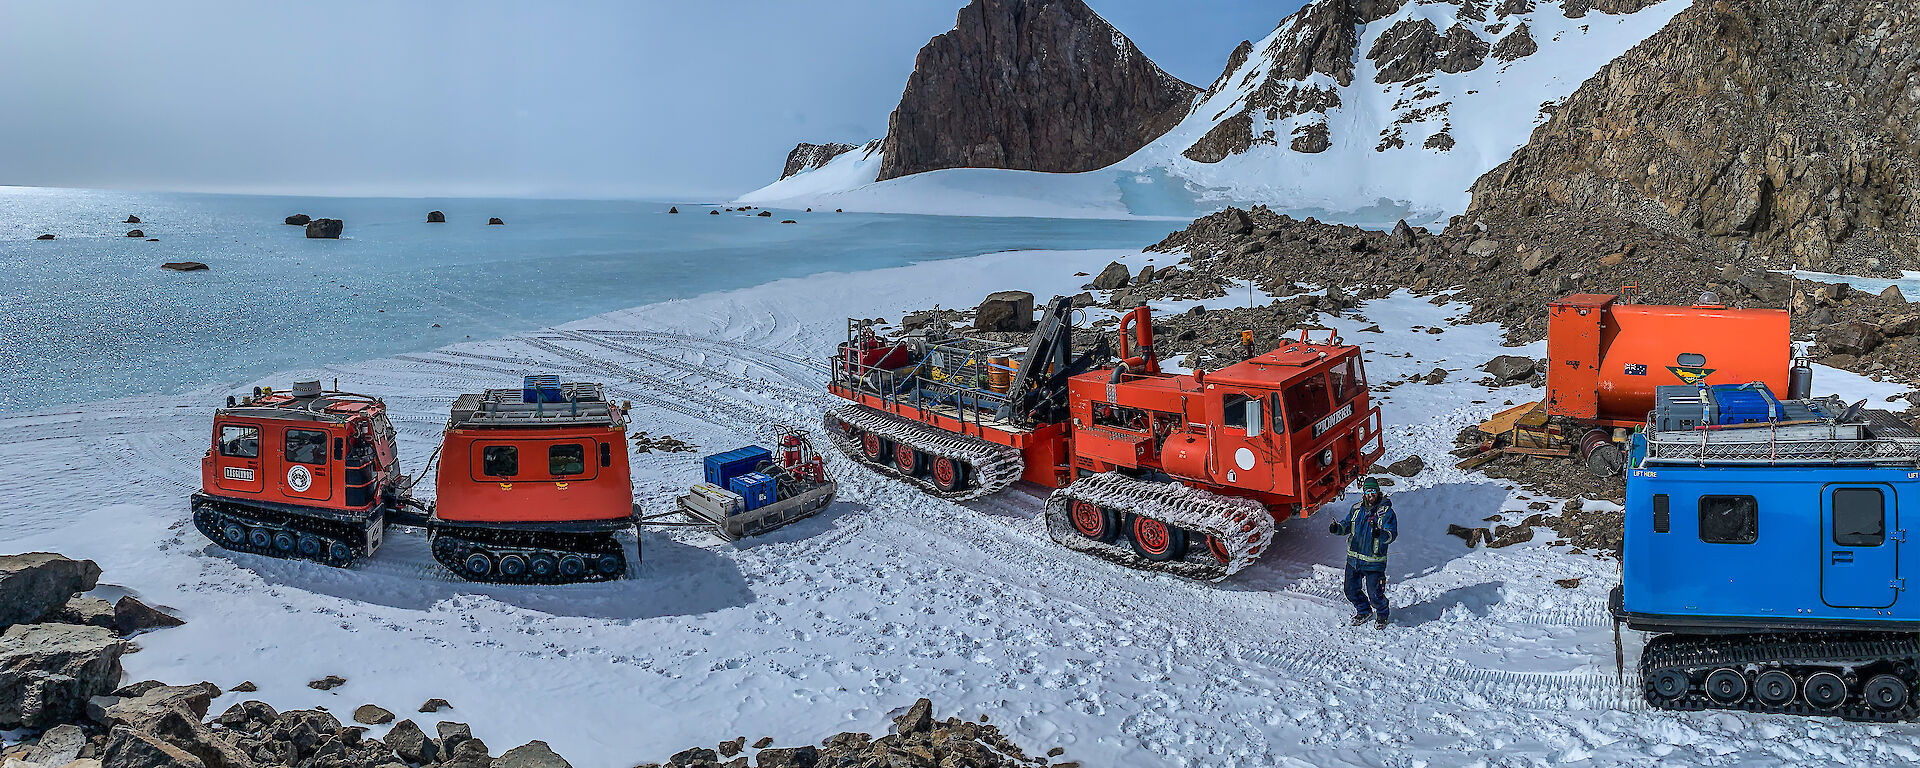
[[1369, 527]]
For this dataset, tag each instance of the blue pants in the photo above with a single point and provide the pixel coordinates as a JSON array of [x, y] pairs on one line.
[[1368, 591]]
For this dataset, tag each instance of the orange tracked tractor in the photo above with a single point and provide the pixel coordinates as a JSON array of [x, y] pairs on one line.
[[532, 485], [1182, 473]]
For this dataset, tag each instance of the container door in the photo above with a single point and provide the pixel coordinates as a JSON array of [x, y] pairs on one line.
[[305, 474], [1859, 566], [236, 456]]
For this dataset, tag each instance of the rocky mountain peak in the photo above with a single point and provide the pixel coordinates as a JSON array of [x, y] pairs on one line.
[[806, 157], [1042, 85]]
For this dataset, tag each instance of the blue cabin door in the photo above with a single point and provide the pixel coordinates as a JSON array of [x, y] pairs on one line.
[[1859, 566]]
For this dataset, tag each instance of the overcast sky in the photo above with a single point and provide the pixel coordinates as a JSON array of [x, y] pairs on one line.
[[635, 98]]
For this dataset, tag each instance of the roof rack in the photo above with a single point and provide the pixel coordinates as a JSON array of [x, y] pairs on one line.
[[569, 404], [1870, 437]]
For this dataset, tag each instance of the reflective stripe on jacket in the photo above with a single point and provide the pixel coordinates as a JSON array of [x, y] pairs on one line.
[[1369, 529]]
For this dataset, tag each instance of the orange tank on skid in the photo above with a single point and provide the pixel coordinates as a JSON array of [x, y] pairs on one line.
[[1606, 356]]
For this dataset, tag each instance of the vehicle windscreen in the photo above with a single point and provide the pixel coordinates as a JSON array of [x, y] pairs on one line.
[[1306, 402], [1347, 380]]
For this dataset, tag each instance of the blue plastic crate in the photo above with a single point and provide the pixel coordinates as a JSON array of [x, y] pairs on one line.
[[1744, 404], [756, 488], [722, 468], [541, 388]]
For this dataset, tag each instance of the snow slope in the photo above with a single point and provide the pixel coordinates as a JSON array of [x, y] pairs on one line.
[[1362, 177], [890, 595]]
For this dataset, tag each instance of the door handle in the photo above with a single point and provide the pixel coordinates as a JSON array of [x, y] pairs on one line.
[[1841, 556]]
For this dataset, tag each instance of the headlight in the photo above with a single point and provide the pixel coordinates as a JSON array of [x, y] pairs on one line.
[[1326, 458]]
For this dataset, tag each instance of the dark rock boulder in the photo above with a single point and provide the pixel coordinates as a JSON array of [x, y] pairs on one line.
[[806, 157], [435, 705], [299, 219], [412, 744], [135, 233], [325, 229], [451, 735], [132, 617], [533, 754], [1409, 466], [154, 707], [369, 714], [86, 611], [327, 683], [713, 212], [1114, 276], [132, 219], [495, 221], [1040, 85], [436, 217], [807, 756], [765, 214], [49, 671], [60, 745], [129, 748], [1509, 369], [44, 237], [36, 584], [673, 209], [185, 266], [1855, 338], [471, 753], [1005, 311]]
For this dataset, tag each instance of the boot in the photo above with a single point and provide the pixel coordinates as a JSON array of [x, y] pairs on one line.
[[1381, 622], [1359, 619]]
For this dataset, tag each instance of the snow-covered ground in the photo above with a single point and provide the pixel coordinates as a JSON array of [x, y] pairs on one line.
[[1378, 167], [890, 595]]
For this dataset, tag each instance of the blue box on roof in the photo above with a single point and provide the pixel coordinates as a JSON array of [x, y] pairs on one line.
[[1744, 404], [722, 468], [542, 388], [756, 488]]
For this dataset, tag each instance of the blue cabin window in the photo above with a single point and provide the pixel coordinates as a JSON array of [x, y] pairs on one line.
[[1661, 523], [1729, 519], [1859, 517]]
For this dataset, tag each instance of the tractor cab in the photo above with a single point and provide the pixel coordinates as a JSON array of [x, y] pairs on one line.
[[1294, 422]]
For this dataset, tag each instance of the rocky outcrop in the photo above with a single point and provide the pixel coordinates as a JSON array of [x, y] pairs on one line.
[[806, 157], [131, 617], [185, 266], [1517, 44], [1780, 131], [45, 237], [495, 220], [1416, 47], [328, 229], [37, 584], [917, 739], [132, 219], [299, 220], [1041, 85], [436, 217], [135, 233], [49, 671]]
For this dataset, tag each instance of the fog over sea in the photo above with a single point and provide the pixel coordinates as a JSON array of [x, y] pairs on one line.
[[91, 315]]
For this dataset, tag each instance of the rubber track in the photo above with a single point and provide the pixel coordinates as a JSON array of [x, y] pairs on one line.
[[1243, 525], [1856, 657], [991, 467], [209, 520], [452, 549]]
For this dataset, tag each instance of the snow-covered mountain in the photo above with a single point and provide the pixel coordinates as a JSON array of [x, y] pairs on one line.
[[1359, 110]]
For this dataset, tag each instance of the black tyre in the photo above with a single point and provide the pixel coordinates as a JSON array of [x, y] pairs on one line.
[[910, 462], [478, 564], [949, 475], [513, 565], [233, 533], [1885, 693], [1092, 522], [875, 448], [1155, 540], [1825, 690], [260, 537], [609, 564], [1670, 685], [1774, 688], [1726, 685], [573, 566], [542, 565]]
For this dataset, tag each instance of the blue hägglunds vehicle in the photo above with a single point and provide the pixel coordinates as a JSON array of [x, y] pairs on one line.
[[1764, 547]]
